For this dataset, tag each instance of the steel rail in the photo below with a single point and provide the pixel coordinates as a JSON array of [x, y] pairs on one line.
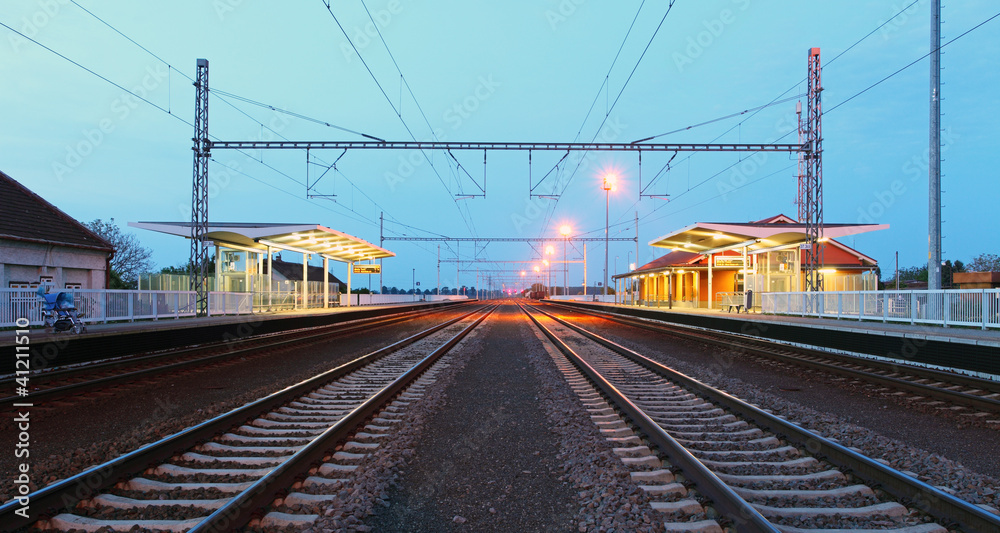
[[241, 509], [935, 502], [284, 339], [766, 348], [726, 500], [86, 484]]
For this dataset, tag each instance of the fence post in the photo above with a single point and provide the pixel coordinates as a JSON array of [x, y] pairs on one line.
[[986, 308], [946, 312], [131, 307], [913, 307], [840, 304]]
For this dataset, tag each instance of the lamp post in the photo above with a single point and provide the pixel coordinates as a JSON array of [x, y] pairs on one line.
[[565, 230], [608, 186], [549, 250], [413, 284]]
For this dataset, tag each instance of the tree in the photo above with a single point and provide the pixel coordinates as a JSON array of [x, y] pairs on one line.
[[984, 263], [130, 258]]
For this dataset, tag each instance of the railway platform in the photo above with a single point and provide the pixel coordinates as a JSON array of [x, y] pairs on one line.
[[953, 347], [102, 341]]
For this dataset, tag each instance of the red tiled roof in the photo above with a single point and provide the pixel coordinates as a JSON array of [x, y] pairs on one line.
[[679, 258], [25, 216]]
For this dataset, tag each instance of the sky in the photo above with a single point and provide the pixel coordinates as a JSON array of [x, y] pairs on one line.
[[75, 131]]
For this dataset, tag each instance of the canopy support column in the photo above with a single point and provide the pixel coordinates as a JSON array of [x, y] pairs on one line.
[[326, 282], [305, 281], [350, 268], [711, 295], [270, 276]]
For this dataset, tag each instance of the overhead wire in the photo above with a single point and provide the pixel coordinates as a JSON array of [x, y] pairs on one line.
[[222, 96], [329, 9]]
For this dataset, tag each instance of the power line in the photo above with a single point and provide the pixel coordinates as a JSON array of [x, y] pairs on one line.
[[294, 114], [914, 62], [551, 211], [393, 106]]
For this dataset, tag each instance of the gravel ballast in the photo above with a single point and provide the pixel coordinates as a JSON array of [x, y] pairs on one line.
[[488, 462], [937, 446], [71, 435]]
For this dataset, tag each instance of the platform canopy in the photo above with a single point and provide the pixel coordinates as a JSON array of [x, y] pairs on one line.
[[301, 238], [715, 237]]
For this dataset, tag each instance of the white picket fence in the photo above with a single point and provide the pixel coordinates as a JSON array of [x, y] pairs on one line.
[[959, 307], [97, 305]]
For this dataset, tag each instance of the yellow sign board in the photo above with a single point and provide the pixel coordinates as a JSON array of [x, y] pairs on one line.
[[367, 269], [724, 261]]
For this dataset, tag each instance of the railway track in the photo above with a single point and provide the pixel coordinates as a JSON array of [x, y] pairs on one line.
[[935, 388], [742, 467], [60, 383], [266, 464]]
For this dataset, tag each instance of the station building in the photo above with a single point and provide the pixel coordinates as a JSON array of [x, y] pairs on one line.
[[712, 263], [42, 245], [245, 258]]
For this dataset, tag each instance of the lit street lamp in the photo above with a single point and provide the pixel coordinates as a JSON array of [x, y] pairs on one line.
[[608, 186]]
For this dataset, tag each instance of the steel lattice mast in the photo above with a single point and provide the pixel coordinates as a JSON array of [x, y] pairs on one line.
[[811, 205], [199, 191]]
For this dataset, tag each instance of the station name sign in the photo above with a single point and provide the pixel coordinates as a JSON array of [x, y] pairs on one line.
[[724, 261], [367, 269]]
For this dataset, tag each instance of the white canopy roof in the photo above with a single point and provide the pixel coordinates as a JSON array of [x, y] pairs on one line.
[[302, 238]]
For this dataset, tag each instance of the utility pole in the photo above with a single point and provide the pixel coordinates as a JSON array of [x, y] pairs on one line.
[[439, 270], [199, 191], [381, 244], [934, 155]]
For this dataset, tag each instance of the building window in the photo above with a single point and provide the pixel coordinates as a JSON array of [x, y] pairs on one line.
[[19, 285], [74, 286], [45, 280]]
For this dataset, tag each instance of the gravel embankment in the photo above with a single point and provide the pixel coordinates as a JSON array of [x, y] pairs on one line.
[[909, 437], [69, 436], [488, 461]]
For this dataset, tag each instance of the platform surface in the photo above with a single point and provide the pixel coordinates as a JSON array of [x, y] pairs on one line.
[[912, 331], [38, 334]]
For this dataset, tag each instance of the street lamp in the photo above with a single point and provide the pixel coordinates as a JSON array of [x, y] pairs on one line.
[[413, 286], [609, 185], [565, 231]]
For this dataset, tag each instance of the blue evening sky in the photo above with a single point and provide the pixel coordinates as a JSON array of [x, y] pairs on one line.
[[500, 71]]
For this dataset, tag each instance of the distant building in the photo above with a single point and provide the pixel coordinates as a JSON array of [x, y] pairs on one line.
[[286, 273], [41, 245], [976, 280]]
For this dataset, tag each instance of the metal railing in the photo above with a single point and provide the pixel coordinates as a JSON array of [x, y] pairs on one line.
[[102, 306], [957, 307]]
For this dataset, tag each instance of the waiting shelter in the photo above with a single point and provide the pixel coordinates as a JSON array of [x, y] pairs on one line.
[[713, 264], [242, 247]]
